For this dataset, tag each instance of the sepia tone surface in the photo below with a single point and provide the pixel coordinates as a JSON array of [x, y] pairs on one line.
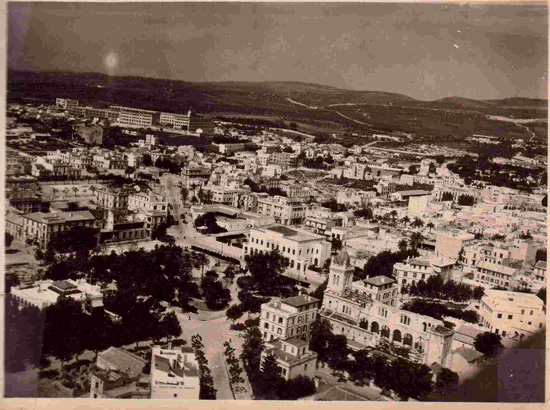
[[262, 201]]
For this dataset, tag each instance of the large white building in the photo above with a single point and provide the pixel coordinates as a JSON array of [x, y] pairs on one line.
[[286, 211], [302, 248], [285, 326], [46, 292], [367, 313], [413, 270], [174, 374], [512, 314], [450, 242]]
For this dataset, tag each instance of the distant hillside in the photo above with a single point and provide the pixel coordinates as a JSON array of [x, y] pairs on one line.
[[315, 107]]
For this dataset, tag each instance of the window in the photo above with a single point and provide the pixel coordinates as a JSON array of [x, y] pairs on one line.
[[499, 316], [280, 320], [175, 395], [97, 385], [267, 315], [531, 314], [510, 317], [95, 396], [522, 311], [528, 323], [266, 325], [305, 367], [279, 331]]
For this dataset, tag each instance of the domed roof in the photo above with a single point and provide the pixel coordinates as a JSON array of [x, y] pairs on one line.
[[342, 258]]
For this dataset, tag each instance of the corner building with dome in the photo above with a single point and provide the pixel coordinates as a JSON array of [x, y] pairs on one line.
[[368, 313]]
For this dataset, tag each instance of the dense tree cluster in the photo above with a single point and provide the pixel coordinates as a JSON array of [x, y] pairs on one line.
[[483, 169], [216, 296], [234, 366], [365, 212], [334, 206], [435, 287], [541, 255], [266, 270], [466, 200], [208, 220], [405, 378], [254, 187], [65, 331], [382, 263], [266, 382], [207, 390], [172, 166], [488, 343], [439, 311]]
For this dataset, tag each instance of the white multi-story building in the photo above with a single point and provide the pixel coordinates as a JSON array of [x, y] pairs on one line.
[[367, 313], [286, 211], [46, 292], [287, 318], [450, 242], [285, 326], [512, 314], [302, 248], [135, 118], [174, 374]]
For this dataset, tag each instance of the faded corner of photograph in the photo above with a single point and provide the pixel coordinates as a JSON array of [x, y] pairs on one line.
[[276, 201]]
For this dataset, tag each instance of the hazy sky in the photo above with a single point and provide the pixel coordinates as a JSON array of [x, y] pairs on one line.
[[424, 51]]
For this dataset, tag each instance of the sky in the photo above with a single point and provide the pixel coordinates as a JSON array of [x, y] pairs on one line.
[[426, 51]]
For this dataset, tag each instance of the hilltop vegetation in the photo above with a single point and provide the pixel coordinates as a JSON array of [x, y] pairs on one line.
[[311, 106]]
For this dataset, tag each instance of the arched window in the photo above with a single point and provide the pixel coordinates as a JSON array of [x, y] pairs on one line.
[[408, 339], [385, 332], [298, 266], [374, 328], [425, 326], [397, 336]]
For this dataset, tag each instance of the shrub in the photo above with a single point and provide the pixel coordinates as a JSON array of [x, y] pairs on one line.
[[178, 342], [238, 327], [252, 322]]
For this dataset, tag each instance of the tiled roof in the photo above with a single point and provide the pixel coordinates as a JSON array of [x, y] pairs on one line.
[[283, 230], [300, 300], [379, 280], [162, 364], [468, 354], [124, 361], [295, 341]]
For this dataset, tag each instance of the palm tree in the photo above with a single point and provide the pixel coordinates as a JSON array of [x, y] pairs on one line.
[[417, 223], [201, 261], [54, 190], [402, 245], [194, 200], [72, 206], [416, 238], [75, 190], [430, 226], [184, 194], [405, 220], [393, 214]]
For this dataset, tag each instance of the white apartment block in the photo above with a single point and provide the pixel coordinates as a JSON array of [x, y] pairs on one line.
[[178, 121], [450, 242], [512, 314], [302, 248], [286, 211], [285, 326], [135, 118], [174, 374], [287, 318]]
